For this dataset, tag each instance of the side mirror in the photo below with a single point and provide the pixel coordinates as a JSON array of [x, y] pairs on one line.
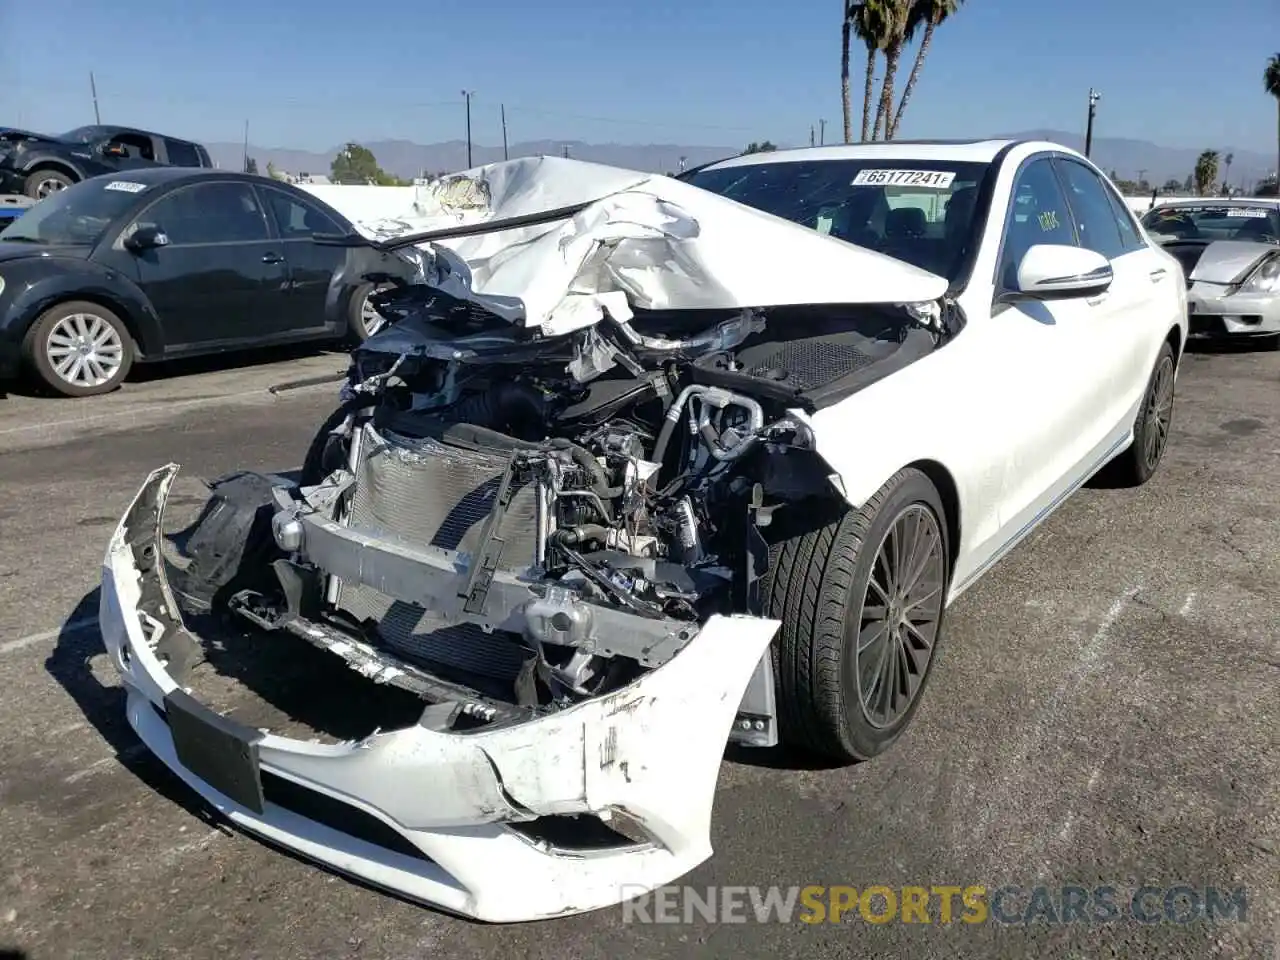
[[147, 238], [1051, 271]]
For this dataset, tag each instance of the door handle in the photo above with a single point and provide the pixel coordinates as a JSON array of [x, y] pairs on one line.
[[1094, 301], [272, 258], [1158, 275]]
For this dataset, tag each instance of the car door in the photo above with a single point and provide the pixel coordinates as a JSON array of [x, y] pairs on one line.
[[1121, 323], [310, 265], [220, 279], [1049, 374]]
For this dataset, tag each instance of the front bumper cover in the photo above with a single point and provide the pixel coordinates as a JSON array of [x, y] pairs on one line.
[[649, 752]]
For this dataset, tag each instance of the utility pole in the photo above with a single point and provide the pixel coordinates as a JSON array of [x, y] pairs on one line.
[[822, 133], [566, 151], [503, 108], [466, 96], [93, 87], [1094, 97], [811, 140], [244, 164]]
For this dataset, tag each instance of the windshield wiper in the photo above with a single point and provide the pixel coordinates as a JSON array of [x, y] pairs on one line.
[[21, 240]]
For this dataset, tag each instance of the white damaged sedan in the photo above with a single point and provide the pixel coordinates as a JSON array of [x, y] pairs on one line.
[[640, 466]]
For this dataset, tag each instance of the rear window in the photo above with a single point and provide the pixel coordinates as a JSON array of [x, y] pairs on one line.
[[1208, 222], [182, 154]]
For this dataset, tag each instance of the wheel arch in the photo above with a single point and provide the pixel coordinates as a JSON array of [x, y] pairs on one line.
[[1174, 339], [949, 493], [103, 300], [52, 163]]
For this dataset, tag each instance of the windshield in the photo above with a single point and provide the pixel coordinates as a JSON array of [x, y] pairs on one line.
[[1208, 222], [76, 215], [914, 210], [82, 135]]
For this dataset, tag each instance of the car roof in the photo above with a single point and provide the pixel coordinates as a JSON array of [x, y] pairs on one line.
[[154, 176], [955, 151]]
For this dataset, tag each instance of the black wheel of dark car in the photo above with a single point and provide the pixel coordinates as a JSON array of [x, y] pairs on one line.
[[79, 349], [41, 183], [362, 319], [1137, 464], [328, 451], [861, 601]]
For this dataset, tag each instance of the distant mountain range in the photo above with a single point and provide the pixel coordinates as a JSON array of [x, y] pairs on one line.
[[1128, 158]]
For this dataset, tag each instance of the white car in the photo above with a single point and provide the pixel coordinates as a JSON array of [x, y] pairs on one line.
[[642, 465]]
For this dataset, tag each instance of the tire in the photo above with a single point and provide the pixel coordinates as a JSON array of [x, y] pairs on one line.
[[40, 183], [71, 328], [363, 323], [1135, 465], [327, 452], [817, 586]]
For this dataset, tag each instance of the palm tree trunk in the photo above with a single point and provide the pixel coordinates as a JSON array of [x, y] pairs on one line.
[[884, 114], [867, 93], [1278, 146], [844, 76], [915, 75]]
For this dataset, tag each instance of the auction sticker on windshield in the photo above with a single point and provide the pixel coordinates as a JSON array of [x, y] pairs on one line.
[[935, 179], [128, 186], [1252, 213]]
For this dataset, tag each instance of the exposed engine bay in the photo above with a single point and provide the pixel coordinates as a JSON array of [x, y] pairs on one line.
[[515, 522]]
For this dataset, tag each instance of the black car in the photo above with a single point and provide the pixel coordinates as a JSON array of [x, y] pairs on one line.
[[38, 165], [169, 262]]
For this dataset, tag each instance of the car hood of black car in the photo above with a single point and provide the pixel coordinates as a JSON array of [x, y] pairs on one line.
[[13, 250], [16, 136]]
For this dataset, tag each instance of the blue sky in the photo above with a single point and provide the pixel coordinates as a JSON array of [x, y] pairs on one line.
[[713, 72]]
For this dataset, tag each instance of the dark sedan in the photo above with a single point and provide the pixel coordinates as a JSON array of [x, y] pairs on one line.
[[168, 262]]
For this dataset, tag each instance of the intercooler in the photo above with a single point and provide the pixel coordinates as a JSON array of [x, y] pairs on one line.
[[427, 492]]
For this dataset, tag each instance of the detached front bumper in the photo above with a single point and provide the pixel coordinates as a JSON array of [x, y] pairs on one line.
[[649, 753]]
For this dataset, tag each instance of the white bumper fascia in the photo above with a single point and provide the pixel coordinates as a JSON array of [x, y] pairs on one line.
[[650, 752]]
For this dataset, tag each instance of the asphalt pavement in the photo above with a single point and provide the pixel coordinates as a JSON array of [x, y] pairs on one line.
[[1105, 713]]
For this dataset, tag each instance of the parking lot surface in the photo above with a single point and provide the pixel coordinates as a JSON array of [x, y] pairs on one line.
[[1105, 713]]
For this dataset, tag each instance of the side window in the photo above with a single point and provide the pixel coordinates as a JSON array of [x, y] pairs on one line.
[[1095, 218], [181, 154], [209, 213], [1038, 213], [1130, 239], [135, 146], [298, 220]]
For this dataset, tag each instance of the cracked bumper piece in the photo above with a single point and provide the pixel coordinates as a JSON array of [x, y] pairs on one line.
[[649, 754]]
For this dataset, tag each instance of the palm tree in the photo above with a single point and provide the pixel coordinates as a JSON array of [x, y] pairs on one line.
[[1206, 171], [1226, 173], [900, 25], [845, 31], [932, 13], [868, 21], [1271, 80]]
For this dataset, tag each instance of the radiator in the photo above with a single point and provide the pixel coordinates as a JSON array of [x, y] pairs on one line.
[[428, 492]]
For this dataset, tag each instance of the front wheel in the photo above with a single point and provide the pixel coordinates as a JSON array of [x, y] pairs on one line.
[[861, 601], [79, 349]]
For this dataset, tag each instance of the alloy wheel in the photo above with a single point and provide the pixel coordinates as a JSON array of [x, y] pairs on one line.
[[84, 350], [1159, 413], [901, 613], [49, 185], [370, 318]]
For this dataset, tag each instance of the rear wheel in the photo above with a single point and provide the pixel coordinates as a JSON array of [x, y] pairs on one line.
[[861, 601], [362, 319], [42, 183], [79, 349], [1137, 464]]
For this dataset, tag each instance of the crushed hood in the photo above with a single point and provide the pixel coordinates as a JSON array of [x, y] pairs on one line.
[[1230, 261], [636, 240]]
